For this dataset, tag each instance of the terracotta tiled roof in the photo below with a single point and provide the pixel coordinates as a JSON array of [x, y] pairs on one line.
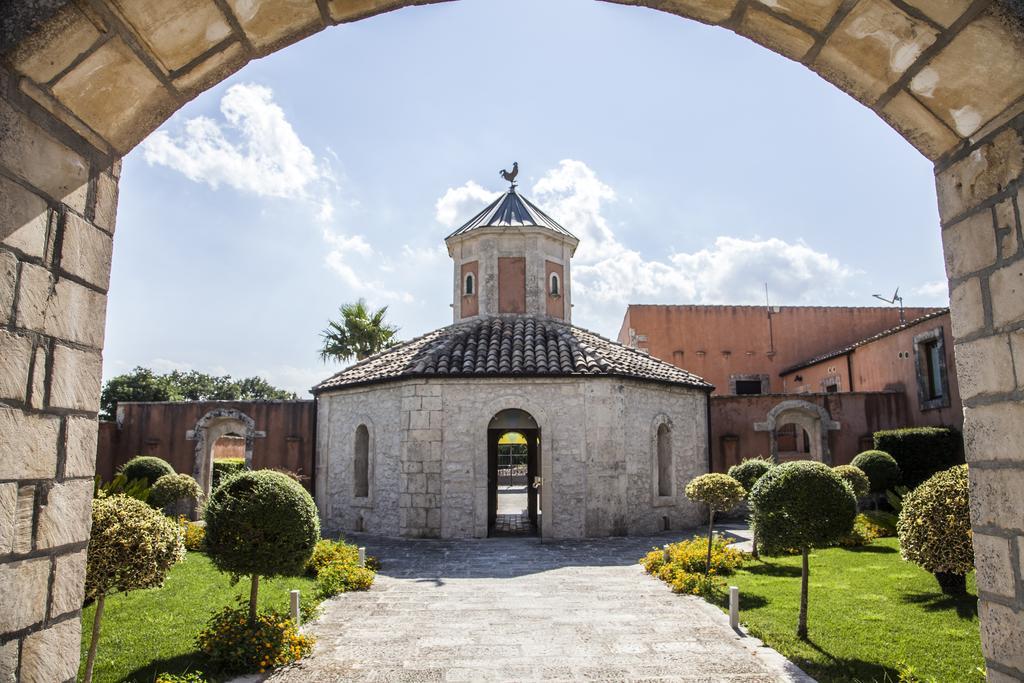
[[846, 349], [510, 346]]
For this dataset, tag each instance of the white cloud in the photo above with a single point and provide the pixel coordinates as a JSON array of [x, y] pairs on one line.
[[458, 204], [256, 149], [347, 253], [936, 290], [608, 275]]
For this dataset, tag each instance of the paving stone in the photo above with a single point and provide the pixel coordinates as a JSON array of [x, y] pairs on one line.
[[518, 609]]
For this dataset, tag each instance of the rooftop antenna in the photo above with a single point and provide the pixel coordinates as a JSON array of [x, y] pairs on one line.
[[895, 297], [771, 330]]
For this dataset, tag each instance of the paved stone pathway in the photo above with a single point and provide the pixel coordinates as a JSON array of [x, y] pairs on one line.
[[514, 609]]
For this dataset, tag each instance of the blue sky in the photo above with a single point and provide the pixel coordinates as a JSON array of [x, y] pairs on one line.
[[693, 164]]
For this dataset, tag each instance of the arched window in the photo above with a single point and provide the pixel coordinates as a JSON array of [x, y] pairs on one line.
[[470, 284], [664, 460], [361, 463], [554, 284]]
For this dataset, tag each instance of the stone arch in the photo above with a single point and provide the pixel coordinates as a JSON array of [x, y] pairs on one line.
[[663, 484], [210, 427], [810, 417], [84, 83]]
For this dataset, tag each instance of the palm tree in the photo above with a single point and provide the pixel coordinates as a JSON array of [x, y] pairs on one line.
[[359, 333]]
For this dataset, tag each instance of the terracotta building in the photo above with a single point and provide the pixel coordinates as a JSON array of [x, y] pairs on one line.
[[807, 382]]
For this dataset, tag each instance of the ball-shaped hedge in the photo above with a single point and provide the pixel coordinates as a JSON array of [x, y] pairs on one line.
[[171, 488], [801, 504], [146, 467], [131, 546], [855, 477], [881, 468], [261, 522], [935, 526], [718, 491], [749, 471]]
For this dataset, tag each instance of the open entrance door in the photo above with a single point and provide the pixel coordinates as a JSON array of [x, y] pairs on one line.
[[513, 475]]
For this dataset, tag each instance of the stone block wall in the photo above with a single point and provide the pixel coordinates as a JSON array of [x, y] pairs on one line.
[[58, 199], [429, 455]]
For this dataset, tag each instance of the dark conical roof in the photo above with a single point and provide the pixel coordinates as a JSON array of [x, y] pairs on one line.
[[510, 346], [511, 210]]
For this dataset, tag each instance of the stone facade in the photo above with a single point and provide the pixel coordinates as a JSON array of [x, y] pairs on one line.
[[82, 83], [428, 455]]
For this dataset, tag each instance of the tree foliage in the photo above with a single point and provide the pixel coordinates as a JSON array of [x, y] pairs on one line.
[[935, 525], [171, 488], [718, 491], [855, 477], [147, 468], [359, 333], [881, 468], [142, 384], [750, 470]]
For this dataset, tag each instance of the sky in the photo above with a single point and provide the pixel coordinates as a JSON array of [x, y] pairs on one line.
[[694, 165]]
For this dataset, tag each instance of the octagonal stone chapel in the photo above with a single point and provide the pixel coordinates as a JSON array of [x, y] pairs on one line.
[[409, 440]]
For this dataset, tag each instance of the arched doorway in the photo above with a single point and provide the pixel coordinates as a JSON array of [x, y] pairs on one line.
[[799, 431], [86, 85], [513, 474], [226, 425]]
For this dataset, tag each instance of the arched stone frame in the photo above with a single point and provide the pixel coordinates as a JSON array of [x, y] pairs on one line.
[[483, 417], [662, 420], [469, 285], [812, 417], [956, 100], [554, 285], [210, 427], [355, 422]]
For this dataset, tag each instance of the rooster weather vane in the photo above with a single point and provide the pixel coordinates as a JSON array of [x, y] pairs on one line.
[[510, 176]]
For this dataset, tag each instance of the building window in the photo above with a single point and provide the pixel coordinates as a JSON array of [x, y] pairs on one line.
[[361, 463], [930, 363], [664, 447], [748, 387], [470, 284], [554, 285]]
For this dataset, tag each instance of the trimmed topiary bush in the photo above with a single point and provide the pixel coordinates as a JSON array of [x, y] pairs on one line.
[[855, 477], [261, 523], [224, 468], [131, 546], [717, 491], [172, 488], [146, 467], [935, 529], [921, 452], [803, 505], [750, 470], [881, 468]]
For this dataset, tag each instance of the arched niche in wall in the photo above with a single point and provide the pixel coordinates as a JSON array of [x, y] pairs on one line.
[[804, 415], [212, 426]]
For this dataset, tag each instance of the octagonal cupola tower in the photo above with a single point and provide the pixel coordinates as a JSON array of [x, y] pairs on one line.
[[512, 258]]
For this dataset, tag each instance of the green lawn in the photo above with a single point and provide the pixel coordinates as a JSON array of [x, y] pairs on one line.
[[147, 632], [869, 612]]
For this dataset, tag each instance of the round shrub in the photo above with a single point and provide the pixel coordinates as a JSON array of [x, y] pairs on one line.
[[131, 546], [935, 528], [261, 523], [146, 467], [224, 468], [717, 491], [801, 504], [171, 488], [881, 468], [749, 471], [855, 477]]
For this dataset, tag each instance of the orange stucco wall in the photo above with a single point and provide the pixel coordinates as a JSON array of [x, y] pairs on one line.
[[511, 284], [555, 304], [716, 342], [470, 302]]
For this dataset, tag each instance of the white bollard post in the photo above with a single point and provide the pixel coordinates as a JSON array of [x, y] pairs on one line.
[[734, 606], [296, 613], [362, 556], [664, 553]]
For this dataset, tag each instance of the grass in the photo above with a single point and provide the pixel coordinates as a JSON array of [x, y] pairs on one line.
[[870, 614], [147, 632]]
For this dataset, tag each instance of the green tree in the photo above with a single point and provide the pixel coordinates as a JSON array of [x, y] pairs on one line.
[[718, 492], [142, 384], [359, 333]]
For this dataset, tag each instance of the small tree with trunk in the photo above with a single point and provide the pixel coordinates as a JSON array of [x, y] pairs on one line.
[[718, 492], [748, 473], [261, 523], [935, 529], [801, 505], [131, 546]]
